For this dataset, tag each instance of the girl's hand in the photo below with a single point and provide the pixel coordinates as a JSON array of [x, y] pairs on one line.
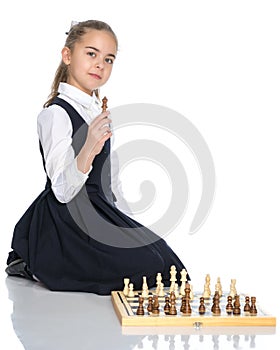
[[98, 133]]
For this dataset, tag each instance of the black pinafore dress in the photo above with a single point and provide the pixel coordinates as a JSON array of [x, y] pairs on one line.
[[88, 244]]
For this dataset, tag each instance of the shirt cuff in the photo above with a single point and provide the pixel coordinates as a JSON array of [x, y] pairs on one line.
[[80, 175]]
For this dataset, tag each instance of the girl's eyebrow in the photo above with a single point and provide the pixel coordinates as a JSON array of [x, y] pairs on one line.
[[94, 48]]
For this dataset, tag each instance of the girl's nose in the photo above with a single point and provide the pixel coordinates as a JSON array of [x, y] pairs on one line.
[[99, 65]]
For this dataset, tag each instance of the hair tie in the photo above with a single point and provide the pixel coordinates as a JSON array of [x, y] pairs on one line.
[[73, 23]]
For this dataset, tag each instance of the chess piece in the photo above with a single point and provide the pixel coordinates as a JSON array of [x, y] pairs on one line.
[[253, 308], [104, 104], [158, 282], [140, 309], [233, 291], [188, 309], [229, 306], [150, 304], [166, 306], [173, 278], [236, 305], [183, 281], [126, 289], [161, 292], [183, 308], [145, 288], [247, 306], [191, 292], [218, 286], [216, 310], [130, 291], [155, 309], [173, 310], [201, 308], [207, 291]]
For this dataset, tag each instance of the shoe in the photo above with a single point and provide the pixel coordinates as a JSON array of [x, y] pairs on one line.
[[19, 268]]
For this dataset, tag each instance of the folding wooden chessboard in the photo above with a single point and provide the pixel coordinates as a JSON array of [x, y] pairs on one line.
[[125, 308]]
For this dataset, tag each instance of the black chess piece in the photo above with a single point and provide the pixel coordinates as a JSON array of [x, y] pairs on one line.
[[229, 306], [253, 308], [166, 306], [236, 305], [201, 308], [140, 309], [247, 306]]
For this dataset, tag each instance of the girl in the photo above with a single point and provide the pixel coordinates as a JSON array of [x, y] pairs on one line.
[[73, 237]]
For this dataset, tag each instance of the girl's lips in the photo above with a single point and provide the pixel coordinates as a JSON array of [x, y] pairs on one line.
[[96, 76]]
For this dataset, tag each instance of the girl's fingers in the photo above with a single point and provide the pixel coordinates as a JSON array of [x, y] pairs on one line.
[[101, 142], [101, 118]]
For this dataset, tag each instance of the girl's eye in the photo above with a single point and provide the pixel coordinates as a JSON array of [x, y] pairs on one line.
[[91, 54], [109, 60]]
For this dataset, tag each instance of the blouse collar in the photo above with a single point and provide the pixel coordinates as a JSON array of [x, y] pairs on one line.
[[80, 97]]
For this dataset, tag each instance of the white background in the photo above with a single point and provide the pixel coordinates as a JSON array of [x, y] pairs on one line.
[[215, 62]]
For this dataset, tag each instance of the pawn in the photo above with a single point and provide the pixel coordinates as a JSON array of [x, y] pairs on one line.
[[247, 306], [140, 309], [236, 305], [161, 292], [173, 310], [130, 291], [150, 304], [253, 308], [166, 306], [201, 308], [229, 306], [126, 283], [188, 298], [216, 304], [145, 288], [183, 307], [158, 282]]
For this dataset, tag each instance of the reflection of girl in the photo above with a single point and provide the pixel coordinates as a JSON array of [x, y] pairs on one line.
[[73, 237], [47, 321]]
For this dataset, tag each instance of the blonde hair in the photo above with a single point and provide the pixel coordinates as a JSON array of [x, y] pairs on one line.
[[73, 36]]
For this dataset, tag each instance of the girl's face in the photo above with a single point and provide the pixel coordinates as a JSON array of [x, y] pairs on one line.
[[90, 63]]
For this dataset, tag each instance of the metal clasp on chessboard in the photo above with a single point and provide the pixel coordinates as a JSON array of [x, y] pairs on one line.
[[197, 325]]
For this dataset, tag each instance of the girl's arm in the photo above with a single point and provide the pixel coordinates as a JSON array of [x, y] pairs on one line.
[[67, 172]]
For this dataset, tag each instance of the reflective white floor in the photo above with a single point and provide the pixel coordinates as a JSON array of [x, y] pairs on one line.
[[34, 318]]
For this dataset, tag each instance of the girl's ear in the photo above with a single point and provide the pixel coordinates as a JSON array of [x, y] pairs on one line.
[[66, 55]]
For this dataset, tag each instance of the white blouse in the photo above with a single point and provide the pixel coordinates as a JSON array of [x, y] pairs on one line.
[[55, 134]]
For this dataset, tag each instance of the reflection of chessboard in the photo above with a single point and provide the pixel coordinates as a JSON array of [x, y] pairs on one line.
[[126, 307]]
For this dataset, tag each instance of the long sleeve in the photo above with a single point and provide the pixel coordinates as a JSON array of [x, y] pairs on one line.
[[55, 134]]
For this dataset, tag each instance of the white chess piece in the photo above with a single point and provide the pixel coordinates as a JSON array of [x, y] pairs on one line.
[[158, 279], [183, 281], [161, 290], [130, 292], [145, 288], [218, 286], [233, 291], [126, 289], [191, 292], [173, 278], [207, 291]]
